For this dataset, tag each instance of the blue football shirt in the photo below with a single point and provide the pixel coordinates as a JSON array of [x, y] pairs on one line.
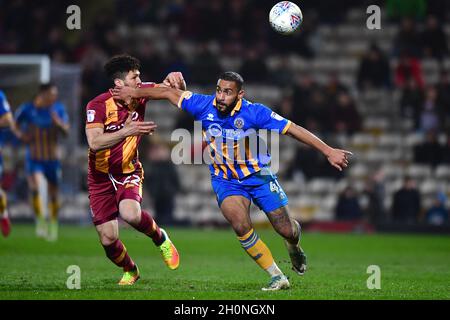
[[235, 145]]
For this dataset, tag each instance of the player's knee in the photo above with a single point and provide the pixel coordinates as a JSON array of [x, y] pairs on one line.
[[108, 238], [241, 228], [132, 217]]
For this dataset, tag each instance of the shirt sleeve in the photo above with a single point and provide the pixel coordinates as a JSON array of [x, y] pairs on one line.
[[270, 120], [95, 115], [4, 105], [193, 103], [61, 112], [21, 114]]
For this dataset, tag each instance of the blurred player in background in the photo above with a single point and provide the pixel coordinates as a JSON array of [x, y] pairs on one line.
[[6, 122], [114, 129], [42, 121], [238, 177]]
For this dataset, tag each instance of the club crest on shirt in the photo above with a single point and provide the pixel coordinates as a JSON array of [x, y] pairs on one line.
[[239, 123], [90, 115]]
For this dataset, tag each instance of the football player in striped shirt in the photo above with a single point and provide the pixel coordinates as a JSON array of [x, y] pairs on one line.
[[43, 121], [239, 172], [114, 129]]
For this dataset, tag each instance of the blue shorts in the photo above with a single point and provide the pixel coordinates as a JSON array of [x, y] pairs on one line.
[[51, 169], [263, 189]]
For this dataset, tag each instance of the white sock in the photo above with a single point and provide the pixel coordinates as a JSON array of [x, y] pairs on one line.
[[273, 270]]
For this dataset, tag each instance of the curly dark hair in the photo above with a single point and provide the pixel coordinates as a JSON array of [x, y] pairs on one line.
[[119, 66]]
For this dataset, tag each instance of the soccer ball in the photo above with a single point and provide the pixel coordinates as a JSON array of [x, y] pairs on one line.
[[285, 17]]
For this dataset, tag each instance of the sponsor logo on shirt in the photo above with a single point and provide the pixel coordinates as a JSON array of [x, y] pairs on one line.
[[276, 116]]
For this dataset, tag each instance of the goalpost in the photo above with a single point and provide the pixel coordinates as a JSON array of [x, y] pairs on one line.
[[20, 77]]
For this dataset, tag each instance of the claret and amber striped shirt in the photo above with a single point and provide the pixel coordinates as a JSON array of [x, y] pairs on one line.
[[106, 113]]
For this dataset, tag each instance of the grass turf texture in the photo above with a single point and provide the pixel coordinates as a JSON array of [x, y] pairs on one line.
[[214, 266]]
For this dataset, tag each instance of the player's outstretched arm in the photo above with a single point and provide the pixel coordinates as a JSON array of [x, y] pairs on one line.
[[98, 140], [155, 93], [336, 157]]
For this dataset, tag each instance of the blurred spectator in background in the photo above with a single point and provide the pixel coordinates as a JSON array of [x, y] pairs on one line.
[[334, 87], [344, 116], [406, 204], [411, 101], [443, 99], [311, 164], [408, 67], [438, 214], [286, 108], [374, 70], [184, 121], [174, 61], [161, 181], [429, 116], [283, 75], [205, 66], [151, 61], [407, 39], [254, 68], [406, 8], [348, 207], [301, 95], [374, 192], [433, 38], [317, 112], [438, 8], [429, 152], [446, 152]]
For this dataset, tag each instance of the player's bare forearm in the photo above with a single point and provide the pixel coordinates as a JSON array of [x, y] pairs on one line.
[[98, 140], [155, 93], [64, 128], [303, 135], [336, 157], [171, 94]]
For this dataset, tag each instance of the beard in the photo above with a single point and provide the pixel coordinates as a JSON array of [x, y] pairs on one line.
[[226, 109]]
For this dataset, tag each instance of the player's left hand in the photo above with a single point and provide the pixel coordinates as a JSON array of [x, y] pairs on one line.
[[338, 158], [175, 80]]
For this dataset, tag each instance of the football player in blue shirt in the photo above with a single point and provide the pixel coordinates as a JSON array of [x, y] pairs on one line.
[[6, 122], [42, 122], [240, 173]]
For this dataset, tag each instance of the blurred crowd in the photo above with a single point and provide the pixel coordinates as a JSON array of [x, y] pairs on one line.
[[239, 28]]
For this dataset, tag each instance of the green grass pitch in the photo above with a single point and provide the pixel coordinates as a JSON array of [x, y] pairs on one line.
[[214, 266]]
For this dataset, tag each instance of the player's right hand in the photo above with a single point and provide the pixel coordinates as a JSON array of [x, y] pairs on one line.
[[124, 93], [138, 128]]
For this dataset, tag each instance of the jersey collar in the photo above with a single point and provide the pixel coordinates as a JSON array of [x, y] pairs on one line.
[[235, 109]]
